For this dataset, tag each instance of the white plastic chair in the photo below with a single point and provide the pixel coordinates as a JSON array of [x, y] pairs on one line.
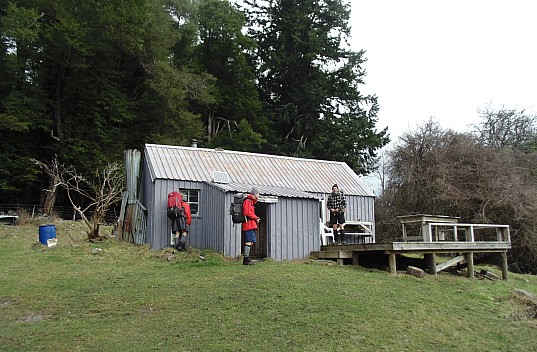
[[325, 233]]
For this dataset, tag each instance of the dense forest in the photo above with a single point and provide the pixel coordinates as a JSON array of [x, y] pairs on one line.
[[81, 81]]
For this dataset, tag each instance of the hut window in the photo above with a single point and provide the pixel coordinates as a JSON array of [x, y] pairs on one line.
[[192, 196]]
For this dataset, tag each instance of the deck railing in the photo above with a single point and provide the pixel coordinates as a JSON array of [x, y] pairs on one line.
[[436, 228], [436, 231]]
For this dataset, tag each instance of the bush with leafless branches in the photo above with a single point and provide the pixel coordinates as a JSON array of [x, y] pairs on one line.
[[103, 189], [437, 171]]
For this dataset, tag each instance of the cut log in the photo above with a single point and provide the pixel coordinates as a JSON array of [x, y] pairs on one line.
[[414, 271]]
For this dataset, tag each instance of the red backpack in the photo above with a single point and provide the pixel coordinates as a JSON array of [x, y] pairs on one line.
[[174, 200], [174, 204]]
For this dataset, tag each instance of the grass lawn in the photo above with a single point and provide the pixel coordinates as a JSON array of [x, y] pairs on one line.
[[113, 296]]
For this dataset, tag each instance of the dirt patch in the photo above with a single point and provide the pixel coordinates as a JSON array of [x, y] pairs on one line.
[[33, 318], [6, 301]]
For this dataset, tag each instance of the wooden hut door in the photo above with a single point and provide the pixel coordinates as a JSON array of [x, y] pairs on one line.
[[260, 248]]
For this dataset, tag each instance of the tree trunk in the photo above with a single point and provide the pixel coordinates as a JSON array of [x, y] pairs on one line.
[[96, 221], [58, 106], [210, 127], [50, 196], [93, 233]]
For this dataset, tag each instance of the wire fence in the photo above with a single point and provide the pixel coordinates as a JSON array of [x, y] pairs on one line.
[[64, 212]]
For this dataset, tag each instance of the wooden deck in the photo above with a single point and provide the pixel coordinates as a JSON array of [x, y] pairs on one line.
[[465, 250], [431, 235]]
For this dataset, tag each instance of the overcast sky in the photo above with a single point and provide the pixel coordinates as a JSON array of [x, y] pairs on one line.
[[446, 59]]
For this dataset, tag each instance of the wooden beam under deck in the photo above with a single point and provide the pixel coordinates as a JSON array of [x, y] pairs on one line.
[[421, 247], [453, 261]]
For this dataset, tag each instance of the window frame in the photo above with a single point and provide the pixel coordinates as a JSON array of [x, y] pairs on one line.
[[187, 193]]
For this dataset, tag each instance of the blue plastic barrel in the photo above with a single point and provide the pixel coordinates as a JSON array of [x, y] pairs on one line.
[[46, 232]]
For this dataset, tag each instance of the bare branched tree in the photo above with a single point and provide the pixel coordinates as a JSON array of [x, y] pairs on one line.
[[381, 169], [103, 190], [505, 128], [52, 169]]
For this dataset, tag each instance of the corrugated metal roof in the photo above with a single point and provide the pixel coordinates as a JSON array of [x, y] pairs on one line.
[[264, 190], [307, 175]]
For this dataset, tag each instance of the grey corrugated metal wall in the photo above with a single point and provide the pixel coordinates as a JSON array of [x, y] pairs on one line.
[[360, 208], [291, 223], [158, 225], [232, 232], [201, 235], [213, 217], [294, 228], [146, 198], [133, 159]]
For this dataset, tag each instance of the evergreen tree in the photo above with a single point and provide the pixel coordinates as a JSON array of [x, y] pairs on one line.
[[86, 80], [310, 82], [223, 52], [22, 103]]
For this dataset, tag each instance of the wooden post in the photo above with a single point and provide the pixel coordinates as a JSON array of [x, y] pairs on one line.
[[426, 232], [431, 262], [470, 264], [340, 261], [355, 259], [393, 265], [472, 233], [505, 272]]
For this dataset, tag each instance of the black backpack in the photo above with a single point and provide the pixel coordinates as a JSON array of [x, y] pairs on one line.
[[235, 209], [176, 212]]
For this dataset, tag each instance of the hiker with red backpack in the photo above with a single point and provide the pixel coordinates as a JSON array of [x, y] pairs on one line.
[[178, 212]]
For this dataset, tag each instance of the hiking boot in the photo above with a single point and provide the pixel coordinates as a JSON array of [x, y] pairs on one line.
[[247, 261], [181, 246]]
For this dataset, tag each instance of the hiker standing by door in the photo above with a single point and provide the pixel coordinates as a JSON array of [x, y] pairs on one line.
[[250, 225], [337, 204], [179, 213]]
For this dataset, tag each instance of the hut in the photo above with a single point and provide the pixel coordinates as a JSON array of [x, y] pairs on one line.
[[293, 193]]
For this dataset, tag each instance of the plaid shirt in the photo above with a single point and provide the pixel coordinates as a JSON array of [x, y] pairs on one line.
[[336, 200]]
